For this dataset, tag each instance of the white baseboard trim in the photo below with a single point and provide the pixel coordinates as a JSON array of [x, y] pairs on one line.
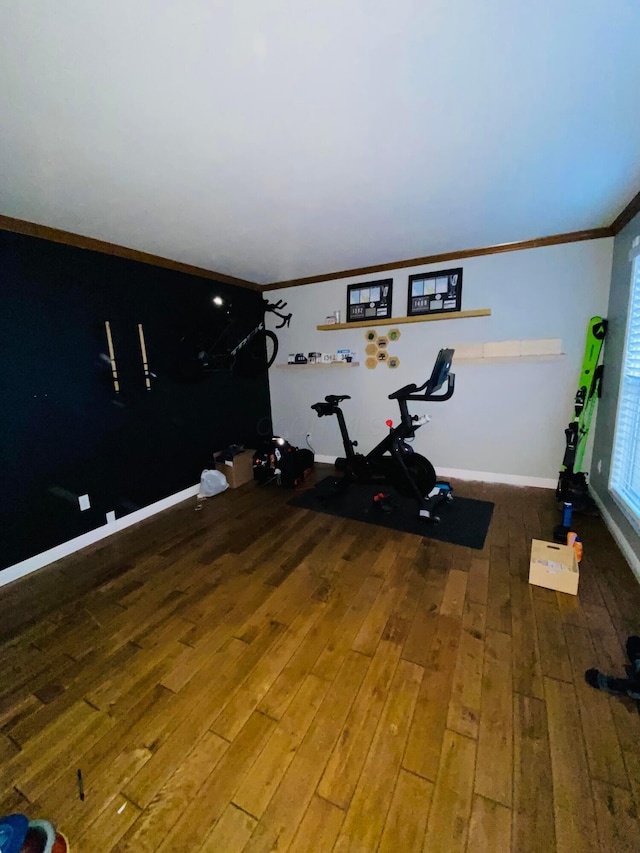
[[481, 476], [506, 479], [38, 561], [328, 460], [627, 551]]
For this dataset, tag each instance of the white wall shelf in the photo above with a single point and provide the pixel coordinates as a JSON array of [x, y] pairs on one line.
[[502, 352], [315, 366], [394, 321], [507, 359]]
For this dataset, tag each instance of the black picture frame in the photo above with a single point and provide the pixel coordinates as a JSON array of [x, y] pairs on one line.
[[370, 300], [436, 292]]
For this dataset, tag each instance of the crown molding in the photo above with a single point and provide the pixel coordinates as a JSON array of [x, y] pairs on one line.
[[626, 215], [553, 240], [56, 235]]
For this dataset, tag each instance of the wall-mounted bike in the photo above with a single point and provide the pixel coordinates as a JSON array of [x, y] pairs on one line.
[[242, 351]]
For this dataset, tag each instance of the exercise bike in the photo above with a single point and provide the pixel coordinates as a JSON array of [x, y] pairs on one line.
[[393, 461]]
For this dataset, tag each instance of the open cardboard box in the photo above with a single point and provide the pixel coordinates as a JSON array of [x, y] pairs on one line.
[[554, 566], [238, 470]]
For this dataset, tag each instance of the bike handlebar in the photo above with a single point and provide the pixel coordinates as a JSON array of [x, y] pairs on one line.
[[412, 392], [437, 379], [436, 398], [276, 308]]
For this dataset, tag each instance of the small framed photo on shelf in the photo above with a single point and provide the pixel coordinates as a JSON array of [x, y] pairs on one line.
[[435, 292], [369, 301]]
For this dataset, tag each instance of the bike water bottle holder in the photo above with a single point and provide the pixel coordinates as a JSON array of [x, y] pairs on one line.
[[420, 420]]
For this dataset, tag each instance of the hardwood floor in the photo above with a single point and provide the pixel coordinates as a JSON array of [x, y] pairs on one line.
[[253, 677]]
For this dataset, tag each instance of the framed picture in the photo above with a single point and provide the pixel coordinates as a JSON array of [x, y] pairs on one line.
[[369, 301], [435, 292]]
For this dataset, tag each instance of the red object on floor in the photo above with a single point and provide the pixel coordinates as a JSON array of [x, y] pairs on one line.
[[60, 845]]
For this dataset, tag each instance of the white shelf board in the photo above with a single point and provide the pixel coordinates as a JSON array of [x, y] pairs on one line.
[[504, 359], [330, 364]]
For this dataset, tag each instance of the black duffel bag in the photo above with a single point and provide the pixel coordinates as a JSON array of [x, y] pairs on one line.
[[281, 462]]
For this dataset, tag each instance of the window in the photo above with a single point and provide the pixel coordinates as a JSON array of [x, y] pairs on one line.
[[625, 467]]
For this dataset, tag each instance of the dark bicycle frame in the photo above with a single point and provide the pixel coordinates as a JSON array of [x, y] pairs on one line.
[[215, 357]]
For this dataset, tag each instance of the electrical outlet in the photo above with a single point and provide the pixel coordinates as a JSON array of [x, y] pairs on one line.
[[111, 517], [84, 502]]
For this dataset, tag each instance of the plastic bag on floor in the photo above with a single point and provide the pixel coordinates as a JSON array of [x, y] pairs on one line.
[[212, 482]]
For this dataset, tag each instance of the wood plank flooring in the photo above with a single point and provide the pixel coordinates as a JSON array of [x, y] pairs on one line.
[[254, 677]]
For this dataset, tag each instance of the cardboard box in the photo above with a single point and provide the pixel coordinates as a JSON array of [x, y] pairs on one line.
[[238, 470], [554, 566]]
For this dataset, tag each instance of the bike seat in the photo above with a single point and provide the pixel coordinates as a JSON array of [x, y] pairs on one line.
[[323, 409], [334, 400]]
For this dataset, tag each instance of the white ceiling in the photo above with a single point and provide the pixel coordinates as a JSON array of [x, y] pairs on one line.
[[272, 139]]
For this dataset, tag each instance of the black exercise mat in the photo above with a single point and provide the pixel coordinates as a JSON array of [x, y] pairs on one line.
[[464, 521]]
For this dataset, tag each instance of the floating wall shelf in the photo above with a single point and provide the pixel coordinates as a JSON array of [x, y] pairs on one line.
[[331, 364], [498, 352], [506, 359], [422, 318]]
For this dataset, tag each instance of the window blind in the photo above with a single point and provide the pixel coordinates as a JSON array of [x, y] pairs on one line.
[[625, 468]]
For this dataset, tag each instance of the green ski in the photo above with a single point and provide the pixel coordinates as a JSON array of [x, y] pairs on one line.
[[572, 482]]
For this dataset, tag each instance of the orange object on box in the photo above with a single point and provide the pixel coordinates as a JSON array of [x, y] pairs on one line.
[[574, 541]]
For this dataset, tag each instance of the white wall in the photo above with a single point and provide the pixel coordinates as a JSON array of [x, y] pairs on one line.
[[505, 419]]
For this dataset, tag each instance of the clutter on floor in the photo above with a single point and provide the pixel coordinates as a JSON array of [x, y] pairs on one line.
[[554, 566], [212, 483], [236, 463], [18, 834], [278, 461], [629, 686], [466, 521]]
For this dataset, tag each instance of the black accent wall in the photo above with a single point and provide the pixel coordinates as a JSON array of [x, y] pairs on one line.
[[63, 430]]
